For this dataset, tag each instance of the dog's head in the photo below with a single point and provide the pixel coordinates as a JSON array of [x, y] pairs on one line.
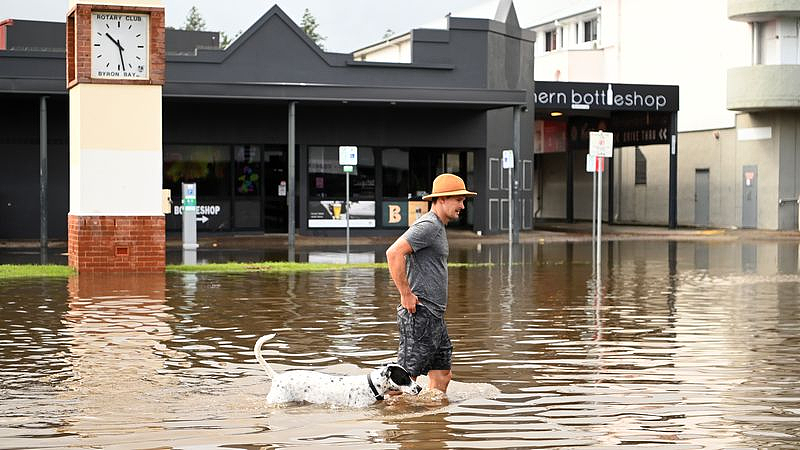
[[398, 379]]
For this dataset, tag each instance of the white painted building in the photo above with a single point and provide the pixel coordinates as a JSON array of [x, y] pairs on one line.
[[737, 63]]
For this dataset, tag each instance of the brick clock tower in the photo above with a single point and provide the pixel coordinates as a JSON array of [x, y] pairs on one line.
[[115, 74]]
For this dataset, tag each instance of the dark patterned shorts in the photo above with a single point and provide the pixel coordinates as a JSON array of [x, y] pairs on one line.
[[424, 342]]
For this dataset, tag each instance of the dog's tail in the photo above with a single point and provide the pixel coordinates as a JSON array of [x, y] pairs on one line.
[[257, 351]]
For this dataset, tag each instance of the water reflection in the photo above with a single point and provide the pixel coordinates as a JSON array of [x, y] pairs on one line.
[[117, 326], [685, 344]]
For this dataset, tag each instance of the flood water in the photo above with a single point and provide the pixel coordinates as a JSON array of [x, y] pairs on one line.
[[682, 346]]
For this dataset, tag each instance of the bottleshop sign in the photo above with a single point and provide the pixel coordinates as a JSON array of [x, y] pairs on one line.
[[556, 95]]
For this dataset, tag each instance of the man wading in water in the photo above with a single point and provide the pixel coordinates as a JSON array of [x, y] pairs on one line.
[[418, 266]]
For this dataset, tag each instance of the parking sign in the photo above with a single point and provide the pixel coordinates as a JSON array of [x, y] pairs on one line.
[[348, 155]]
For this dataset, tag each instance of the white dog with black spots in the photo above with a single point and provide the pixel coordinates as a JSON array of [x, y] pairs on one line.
[[320, 388]]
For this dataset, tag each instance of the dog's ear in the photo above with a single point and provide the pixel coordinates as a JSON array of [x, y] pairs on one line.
[[399, 375]]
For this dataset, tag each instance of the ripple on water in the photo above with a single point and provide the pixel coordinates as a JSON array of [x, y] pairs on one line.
[[677, 356]]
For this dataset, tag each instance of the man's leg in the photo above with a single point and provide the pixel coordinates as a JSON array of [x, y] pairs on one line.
[[439, 379]]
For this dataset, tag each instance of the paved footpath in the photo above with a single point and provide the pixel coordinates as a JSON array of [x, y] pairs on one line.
[[544, 232]]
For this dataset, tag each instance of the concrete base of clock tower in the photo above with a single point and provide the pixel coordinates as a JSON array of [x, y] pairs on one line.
[[116, 243]]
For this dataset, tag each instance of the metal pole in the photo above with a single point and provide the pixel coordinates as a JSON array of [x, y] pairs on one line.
[[610, 212], [516, 216], [673, 172], [599, 214], [510, 211], [347, 217], [43, 178], [594, 211], [570, 186], [290, 194]]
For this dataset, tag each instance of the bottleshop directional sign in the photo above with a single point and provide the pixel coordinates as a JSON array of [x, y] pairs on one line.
[[203, 212], [640, 128], [557, 95]]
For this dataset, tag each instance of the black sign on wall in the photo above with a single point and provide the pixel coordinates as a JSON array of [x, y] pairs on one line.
[[568, 96], [642, 128]]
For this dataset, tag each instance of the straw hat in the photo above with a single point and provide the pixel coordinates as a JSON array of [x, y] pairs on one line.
[[446, 185]]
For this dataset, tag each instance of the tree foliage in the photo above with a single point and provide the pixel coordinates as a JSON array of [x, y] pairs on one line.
[[194, 21], [309, 25], [225, 40]]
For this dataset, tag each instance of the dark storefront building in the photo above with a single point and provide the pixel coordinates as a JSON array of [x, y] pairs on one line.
[[454, 108]]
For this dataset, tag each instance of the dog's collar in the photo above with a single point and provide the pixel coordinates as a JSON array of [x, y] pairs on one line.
[[375, 392]]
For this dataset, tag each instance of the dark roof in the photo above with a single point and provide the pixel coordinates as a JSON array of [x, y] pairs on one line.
[[475, 62], [39, 36]]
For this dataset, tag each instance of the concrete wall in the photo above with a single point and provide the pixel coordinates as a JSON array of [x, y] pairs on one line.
[[724, 152], [663, 51]]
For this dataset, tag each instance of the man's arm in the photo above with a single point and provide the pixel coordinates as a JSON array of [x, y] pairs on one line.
[[396, 258]]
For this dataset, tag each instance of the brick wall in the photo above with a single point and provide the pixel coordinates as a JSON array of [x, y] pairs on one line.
[[79, 44], [117, 243]]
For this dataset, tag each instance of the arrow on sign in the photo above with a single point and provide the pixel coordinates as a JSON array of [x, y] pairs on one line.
[[203, 219]]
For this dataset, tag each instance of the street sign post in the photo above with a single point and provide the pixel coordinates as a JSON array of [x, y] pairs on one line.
[[348, 157], [601, 146], [508, 163]]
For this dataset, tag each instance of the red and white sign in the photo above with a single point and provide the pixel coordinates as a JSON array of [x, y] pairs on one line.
[[601, 144], [595, 163]]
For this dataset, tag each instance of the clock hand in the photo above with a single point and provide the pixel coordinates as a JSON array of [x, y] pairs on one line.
[[116, 42], [119, 47], [121, 59]]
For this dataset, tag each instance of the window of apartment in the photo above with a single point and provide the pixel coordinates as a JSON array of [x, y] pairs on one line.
[[590, 30], [550, 41], [640, 176]]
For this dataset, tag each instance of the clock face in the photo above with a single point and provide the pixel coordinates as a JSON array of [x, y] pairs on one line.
[[120, 45]]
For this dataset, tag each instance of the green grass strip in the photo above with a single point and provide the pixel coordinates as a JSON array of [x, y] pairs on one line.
[[282, 266], [34, 271], [39, 271]]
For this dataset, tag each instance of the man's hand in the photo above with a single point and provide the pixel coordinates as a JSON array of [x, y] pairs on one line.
[[409, 302]]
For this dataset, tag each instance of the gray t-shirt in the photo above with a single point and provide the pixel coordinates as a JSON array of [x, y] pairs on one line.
[[426, 267]]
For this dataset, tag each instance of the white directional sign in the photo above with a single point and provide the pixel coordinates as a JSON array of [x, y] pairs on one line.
[[508, 159], [348, 155], [601, 144]]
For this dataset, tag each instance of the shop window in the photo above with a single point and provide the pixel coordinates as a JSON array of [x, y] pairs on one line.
[[395, 173], [641, 168], [327, 179], [247, 170], [206, 165], [421, 171]]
